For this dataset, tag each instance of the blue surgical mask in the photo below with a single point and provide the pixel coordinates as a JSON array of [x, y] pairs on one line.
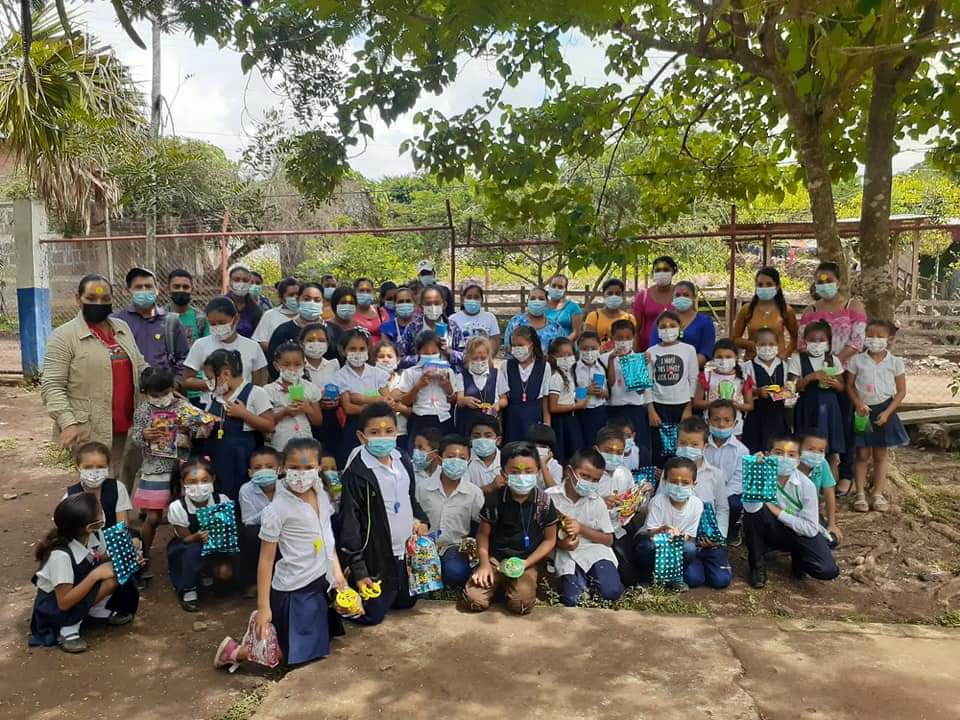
[[613, 302], [826, 290], [454, 468], [680, 493], [812, 459], [380, 447], [585, 488], [328, 292], [332, 477], [427, 280], [420, 459], [404, 310], [766, 293], [522, 484], [144, 298], [345, 312], [556, 293], [292, 304], [690, 453], [311, 310], [629, 445], [390, 304], [536, 307], [612, 461], [472, 307], [484, 447], [365, 298], [786, 465], [682, 303], [265, 477], [721, 433]]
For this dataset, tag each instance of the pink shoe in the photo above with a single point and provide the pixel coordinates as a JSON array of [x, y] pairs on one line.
[[227, 654]]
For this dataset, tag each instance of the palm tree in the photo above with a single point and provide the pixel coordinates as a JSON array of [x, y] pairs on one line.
[[62, 107]]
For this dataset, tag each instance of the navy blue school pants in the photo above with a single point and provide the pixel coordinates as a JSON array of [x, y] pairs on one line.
[[249, 537], [602, 577], [736, 513], [375, 609], [454, 566], [710, 567], [763, 532]]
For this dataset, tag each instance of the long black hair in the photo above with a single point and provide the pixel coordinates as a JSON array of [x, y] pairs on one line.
[[779, 299], [728, 344], [528, 333], [70, 519], [223, 359], [825, 326], [555, 345]]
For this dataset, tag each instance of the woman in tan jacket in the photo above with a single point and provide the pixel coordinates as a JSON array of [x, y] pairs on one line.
[[90, 377]]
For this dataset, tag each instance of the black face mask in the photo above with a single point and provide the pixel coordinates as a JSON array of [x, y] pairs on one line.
[[180, 298], [95, 314]]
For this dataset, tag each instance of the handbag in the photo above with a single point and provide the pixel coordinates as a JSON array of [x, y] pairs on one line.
[[709, 528]]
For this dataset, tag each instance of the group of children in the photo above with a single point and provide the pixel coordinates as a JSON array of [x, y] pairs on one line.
[[548, 463]]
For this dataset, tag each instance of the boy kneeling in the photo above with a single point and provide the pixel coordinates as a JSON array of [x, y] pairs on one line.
[[518, 526]]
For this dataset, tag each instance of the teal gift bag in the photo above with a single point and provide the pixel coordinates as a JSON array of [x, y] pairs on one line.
[[645, 474], [668, 559], [668, 438], [220, 522], [123, 555], [709, 529], [636, 375], [759, 479]]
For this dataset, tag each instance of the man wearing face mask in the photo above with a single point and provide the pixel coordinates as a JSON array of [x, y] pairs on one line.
[[159, 334], [193, 319], [427, 277], [289, 291]]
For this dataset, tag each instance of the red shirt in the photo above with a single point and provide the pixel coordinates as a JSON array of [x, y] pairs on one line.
[[122, 369], [372, 324]]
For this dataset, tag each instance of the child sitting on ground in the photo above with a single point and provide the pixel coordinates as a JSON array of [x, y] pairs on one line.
[[93, 467], [813, 464], [255, 495]]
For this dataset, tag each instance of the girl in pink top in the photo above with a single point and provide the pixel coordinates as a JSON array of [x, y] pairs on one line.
[[652, 301]]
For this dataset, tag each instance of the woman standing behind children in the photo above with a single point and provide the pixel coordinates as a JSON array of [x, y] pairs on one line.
[[565, 400], [477, 385], [295, 400], [727, 381], [673, 369], [768, 419], [591, 373], [525, 379], [360, 384], [877, 388]]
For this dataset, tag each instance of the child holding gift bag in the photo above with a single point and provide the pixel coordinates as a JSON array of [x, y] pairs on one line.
[[624, 404], [726, 381], [673, 368]]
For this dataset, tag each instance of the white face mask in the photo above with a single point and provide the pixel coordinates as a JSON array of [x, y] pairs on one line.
[[240, 288], [725, 365], [817, 349], [357, 359], [565, 363], [162, 402], [520, 352], [663, 278], [669, 335], [389, 365], [300, 481], [315, 350], [589, 357], [433, 312], [479, 367], [198, 493], [221, 332], [767, 352], [92, 478], [623, 346], [876, 344], [291, 376]]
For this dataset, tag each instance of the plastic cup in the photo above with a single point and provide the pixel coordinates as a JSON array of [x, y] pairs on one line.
[[296, 393], [726, 389], [331, 391], [581, 393], [861, 423], [599, 379]]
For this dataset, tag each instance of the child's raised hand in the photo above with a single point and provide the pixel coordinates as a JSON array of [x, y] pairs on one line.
[[262, 623], [236, 409], [500, 481]]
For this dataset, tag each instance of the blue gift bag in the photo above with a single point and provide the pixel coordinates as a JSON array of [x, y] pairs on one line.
[[636, 374], [759, 479], [220, 522], [668, 438], [423, 566], [668, 559], [645, 474], [123, 555], [709, 529]]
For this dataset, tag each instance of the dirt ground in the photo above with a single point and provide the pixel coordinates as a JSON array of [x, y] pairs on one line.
[[896, 568]]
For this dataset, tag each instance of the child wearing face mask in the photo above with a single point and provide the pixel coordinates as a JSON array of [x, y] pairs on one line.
[[387, 357], [820, 381], [625, 405], [426, 453], [484, 468], [244, 412], [319, 370], [476, 385], [518, 523], [93, 468], [724, 451], [295, 400], [565, 399], [378, 513], [768, 374], [813, 464], [525, 380], [255, 495], [452, 504], [584, 558], [292, 591], [726, 380], [791, 524], [877, 387], [617, 480], [360, 384], [427, 388], [590, 372], [189, 568], [545, 439], [673, 369]]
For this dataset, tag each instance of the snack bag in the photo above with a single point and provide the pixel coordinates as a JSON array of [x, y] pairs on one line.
[[468, 546], [263, 652], [123, 555], [759, 479], [628, 504], [423, 565], [220, 522], [165, 420], [668, 560]]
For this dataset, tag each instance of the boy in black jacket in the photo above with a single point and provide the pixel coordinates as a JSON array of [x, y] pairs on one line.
[[378, 512]]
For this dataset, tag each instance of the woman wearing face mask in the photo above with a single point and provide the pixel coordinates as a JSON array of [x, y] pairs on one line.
[[652, 301], [289, 291], [368, 314], [848, 323], [448, 331], [310, 305], [767, 310], [248, 308], [561, 309], [344, 304], [404, 310], [535, 317], [473, 320], [697, 329], [601, 321], [89, 377]]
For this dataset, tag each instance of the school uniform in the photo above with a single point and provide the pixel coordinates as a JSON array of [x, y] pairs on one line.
[[453, 516], [481, 474], [70, 564], [299, 603], [482, 387], [402, 421], [768, 419], [565, 425], [516, 530], [593, 417], [327, 433], [876, 383], [555, 469], [686, 519], [674, 370], [377, 508], [232, 442], [525, 388], [589, 564], [818, 410], [368, 383], [114, 498], [297, 426], [253, 500], [431, 406], [184, 560], [251, 355], [795, 530], [715, 385], [728, 458], [631, 406], [617, 482]]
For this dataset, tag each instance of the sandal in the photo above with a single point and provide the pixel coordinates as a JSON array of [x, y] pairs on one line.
[[880, 503], [847, 492], [861, 504]]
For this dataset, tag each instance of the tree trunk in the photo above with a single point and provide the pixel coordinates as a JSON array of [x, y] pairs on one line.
[[876, 243]]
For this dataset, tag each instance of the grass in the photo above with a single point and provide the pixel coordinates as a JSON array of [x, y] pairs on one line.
[[949, 618], [8, 443], [54, 456], [943, 501], [247, 705]]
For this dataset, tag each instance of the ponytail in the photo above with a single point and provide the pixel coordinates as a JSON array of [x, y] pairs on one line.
[[70, 519]]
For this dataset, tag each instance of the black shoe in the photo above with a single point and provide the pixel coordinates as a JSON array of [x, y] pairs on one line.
[[120, 618], [758, 577]]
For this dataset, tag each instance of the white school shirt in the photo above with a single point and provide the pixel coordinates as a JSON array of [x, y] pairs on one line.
[[556, 471], [450, 514], [876, 382], [394, 488], [584, 374], [322, 373], [800, 504], [619, 395], [674, 370], [565, 396], [394, 384], [794, 367], [481, 474], [304, 538], [297, 426], [729, 459], [484, 323], [270, 321], [592, 513], [258, 402], [431, 399], [748, 372], [616, 483], [368, 383], [251, 355], [252, 501], [710, 488], [58, 569], [662, 512], [123, 499], [503, 383], [177, 513]]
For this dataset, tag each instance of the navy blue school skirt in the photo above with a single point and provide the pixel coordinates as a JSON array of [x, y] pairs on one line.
[[305, 622], [231, 460], [569, 437], [591, 421], [347, 440], [517, 420], [766, 421], [416, 424], [893, 434], [819, 410], [48, 618], [328, 434]]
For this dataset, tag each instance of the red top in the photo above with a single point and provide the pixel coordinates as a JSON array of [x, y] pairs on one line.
[[646, 310], [122, 368], [371, 324]]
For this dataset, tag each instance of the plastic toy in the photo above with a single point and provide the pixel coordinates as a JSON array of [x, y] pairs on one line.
[[469, 549], [512, 567], [371, 592], [296, 393], [123, 555], [220, 522], [668, 559], [628, 503], [348, 602], [423, 566], [331, 391], [759, 479], [636, 375]]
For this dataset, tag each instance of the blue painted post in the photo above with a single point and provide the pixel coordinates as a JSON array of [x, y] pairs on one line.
[[33, 284]]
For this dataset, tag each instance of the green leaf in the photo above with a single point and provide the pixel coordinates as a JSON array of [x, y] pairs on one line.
[[796, 53], [804, 84]]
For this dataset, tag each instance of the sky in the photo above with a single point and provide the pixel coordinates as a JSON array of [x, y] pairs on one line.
[[211, 99]]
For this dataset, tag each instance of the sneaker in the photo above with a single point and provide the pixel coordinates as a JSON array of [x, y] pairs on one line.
[[758, 578], [73, 644], [146, 573], [120, 618], [189, 601], [880, 503], [860, 504], [227, 653], [736, 537]]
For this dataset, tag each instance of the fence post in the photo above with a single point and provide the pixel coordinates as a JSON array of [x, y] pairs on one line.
[[915, 266], [732, 287], [33, 283], [523, 298]]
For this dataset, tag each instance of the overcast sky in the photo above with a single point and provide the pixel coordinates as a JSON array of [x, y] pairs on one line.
[[213, 100]]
